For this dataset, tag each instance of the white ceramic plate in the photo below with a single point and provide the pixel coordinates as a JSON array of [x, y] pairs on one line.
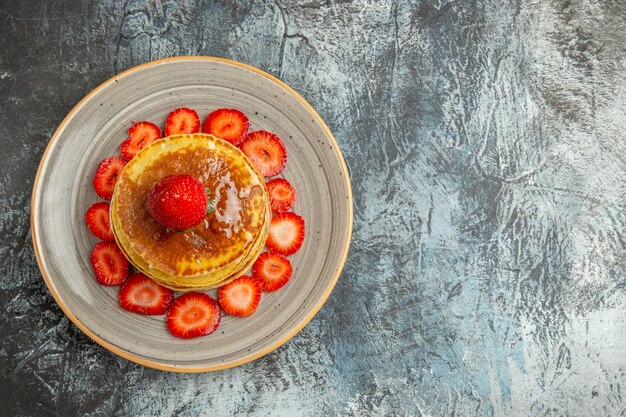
[[94, 129]]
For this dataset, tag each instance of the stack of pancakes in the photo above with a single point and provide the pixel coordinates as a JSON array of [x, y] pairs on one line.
[[216, 251]]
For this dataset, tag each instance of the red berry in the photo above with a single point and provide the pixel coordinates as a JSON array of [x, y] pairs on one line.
[[106, 176], [266, 151], [178, 201], [228, 124], [282, 195], [286, 233], [240, 297], [142, 295], [193, 314], [139, 135], [272, 270], [109, 263], [182, 120], [98, 221]]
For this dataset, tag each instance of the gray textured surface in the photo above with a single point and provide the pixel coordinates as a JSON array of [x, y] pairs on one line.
[[485, 141]]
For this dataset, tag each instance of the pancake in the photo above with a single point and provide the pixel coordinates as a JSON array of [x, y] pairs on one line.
[[164, 277], [188, 275], [173, 283], [224, 244], [187, 283]]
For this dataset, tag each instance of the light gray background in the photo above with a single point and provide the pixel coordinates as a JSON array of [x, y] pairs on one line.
[[486, 145]]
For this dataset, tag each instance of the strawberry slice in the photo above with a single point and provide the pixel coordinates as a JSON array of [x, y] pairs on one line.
[[282, 195], [228, 124], [193, 314], [106, 176], [139, 135], [109, 263], [272, 270], [266, 151], [182, 120], [142, 295], [240, 297], [98, 221], [286, 233]]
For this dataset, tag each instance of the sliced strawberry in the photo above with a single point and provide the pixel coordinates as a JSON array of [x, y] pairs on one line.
[[106, 176], [139, 135], [142, 295], [109, 263], [272, 270], [182, 120], [228, 124], [286, 233], [266, 151], [282, 194], [193, 314], [240, 297], [98, 221]]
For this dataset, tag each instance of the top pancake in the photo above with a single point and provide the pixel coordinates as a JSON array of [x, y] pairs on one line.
[[226, 234]]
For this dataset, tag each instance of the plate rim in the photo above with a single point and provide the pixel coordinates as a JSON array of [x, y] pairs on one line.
[[155, 364]]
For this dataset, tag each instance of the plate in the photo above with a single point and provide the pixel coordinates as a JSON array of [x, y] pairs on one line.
[[93, 130]]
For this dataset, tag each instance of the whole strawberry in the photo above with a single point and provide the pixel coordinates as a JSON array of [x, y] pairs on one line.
[[178, 201]]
